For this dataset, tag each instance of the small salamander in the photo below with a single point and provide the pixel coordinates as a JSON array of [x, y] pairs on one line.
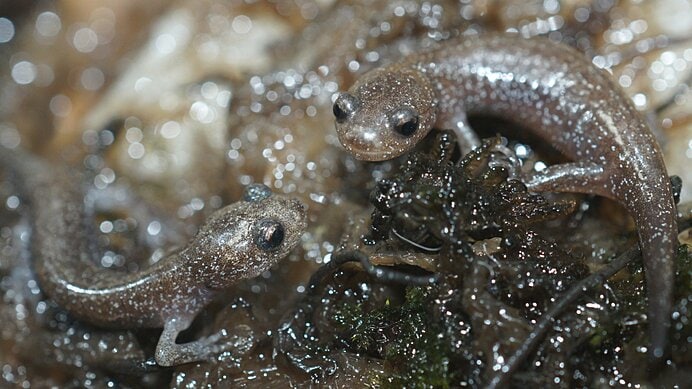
[[553, 92], [236, 242]]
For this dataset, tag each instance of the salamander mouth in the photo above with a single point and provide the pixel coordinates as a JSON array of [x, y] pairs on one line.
[[368, 143], [372, 155]]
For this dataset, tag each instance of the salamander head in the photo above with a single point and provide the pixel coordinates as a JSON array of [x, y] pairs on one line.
[[246, 238], [385, 113]]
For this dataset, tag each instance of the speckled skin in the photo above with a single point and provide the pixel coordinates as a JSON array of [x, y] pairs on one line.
[[168, 294], [552, 91]]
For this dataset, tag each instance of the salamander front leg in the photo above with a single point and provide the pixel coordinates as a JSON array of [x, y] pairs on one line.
[[467, 138], [169, 353], [576, 177]]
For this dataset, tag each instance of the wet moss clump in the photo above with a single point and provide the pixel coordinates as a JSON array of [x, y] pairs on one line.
[[406, 336], [477, 211], [514, 300]]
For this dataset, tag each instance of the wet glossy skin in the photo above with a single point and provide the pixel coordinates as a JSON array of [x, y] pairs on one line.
[[554, 92], [236, 242]]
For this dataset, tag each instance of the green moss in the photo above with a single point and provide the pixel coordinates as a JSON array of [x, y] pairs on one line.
[[405, 336], [683, 279]]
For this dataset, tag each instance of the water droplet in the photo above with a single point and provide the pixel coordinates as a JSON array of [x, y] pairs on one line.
[[24, 72], [241, 24], [154, 228], [136, 150], [165, 43], [48, 24], [12, 202], [60, 105], [92, 79], [85, 40], [170, 129], [6, 30]]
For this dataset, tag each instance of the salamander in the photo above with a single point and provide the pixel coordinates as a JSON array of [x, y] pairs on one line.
[[236, 242], [554, 93]]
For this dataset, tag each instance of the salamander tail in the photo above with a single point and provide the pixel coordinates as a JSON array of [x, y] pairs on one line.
[[657, 227]]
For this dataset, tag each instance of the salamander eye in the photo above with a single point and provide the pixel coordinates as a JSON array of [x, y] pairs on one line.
[[344, 106], [404, 121], [269, 234]]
